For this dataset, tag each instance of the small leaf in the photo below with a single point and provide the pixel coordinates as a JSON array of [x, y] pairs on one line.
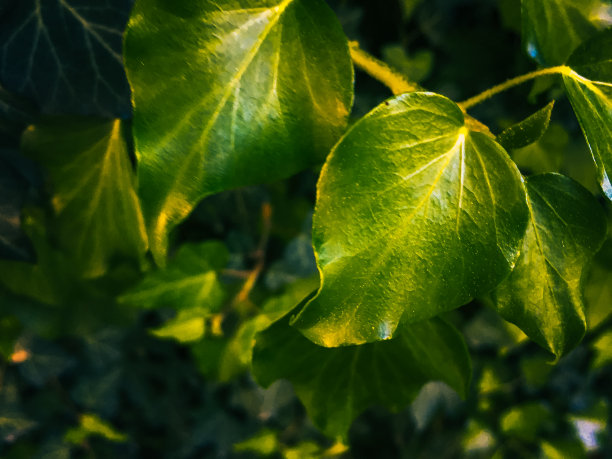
[[589, 88], [415, 215], [187, 326], [543, 295], [526, 421], [65, 55], [527, 131], [97, 210], [92, 425], [189, 280], [228, 94], [552, 29], [336, 385]]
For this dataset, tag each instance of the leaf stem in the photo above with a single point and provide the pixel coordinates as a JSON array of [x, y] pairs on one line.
[[469, 103], [380, 71]]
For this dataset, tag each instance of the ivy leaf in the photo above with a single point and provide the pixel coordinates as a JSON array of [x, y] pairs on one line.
[[589, 88], [189, 280], [336, 385], [552, 29], [98, 215], [527, 131], [415, 215], [188, 284], [217, 86], [66, 55], [543, 295]]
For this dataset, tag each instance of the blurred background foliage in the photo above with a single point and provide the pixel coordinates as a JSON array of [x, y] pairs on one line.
[[84, 373]]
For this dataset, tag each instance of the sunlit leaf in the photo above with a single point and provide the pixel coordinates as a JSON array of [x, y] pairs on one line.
[[526, 421], [92, 425], [188, 281], [528, 130], [218, 87], [415, 215], [336, 385], [603, 350], [589, 87], [94, 195], [552, 29], [65, 55], [543, 295]]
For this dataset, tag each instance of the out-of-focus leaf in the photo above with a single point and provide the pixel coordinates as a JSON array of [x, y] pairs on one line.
[[92, 425], [528, 130], [65, 55], [526, 422], [416, 67], [589, 87], [546, 154], [603, 350], [97, 210], [598, 295], [239, 351], [543, 294], [415, 215], [16, 175], [252, 66], [264, 443], [552, 29], [337, 384], [42, 361]]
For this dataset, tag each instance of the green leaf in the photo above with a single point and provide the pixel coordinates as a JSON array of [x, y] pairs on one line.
[[415, 215], [589, 88], [66, 55], [552, 29], [337, 384], [526, 421], [188, 284], [92, 425], [543, 295], [217, 87], [527, 131], [188, 281], [603, 350], [98, 215]]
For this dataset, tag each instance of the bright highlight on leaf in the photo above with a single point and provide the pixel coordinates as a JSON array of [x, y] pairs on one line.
[[228, 94], [543, 295], [94, 195], [415, 215], [336, 385], [589, 88]]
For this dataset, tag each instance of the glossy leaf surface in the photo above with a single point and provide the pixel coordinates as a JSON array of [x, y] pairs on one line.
[[65, 55], [552, 29], [415, 215], [543, 295], [528, 130], [589, 88], [98, 214], [231, 93], [336, 385]]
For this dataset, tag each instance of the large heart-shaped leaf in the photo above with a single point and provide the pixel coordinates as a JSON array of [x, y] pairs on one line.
[[552, 29], [336, 385], [415, 215], [543, 295], [65, 55], [94, 195], [231, 93], [589, 87]]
